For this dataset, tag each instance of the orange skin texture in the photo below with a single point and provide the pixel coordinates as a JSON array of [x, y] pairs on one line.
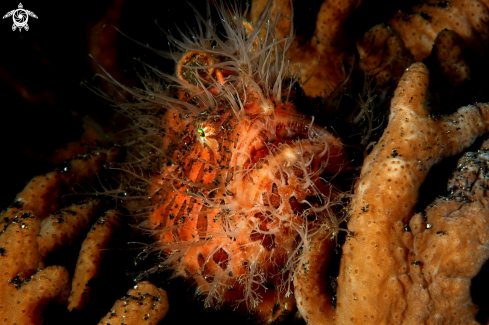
[[381, 278], [260, 241]]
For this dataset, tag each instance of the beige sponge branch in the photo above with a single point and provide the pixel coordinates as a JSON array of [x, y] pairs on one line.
[[378, 280], [145, 304]]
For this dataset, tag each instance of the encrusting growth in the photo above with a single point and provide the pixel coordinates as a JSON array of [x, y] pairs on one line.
[[467, 18], [318, 59], [398, 268], [144, 304], [20, 285], [454, 29], [91, 256], [31, 230]]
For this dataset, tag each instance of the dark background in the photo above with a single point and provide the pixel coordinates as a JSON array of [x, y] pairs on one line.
[[42, 101], [43, 105]]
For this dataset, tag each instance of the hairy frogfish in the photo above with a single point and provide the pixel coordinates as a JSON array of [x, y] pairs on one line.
[[237, 179]]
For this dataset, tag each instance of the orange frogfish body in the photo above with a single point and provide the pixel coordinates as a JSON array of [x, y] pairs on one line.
[[242, 179], [237, 199]]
